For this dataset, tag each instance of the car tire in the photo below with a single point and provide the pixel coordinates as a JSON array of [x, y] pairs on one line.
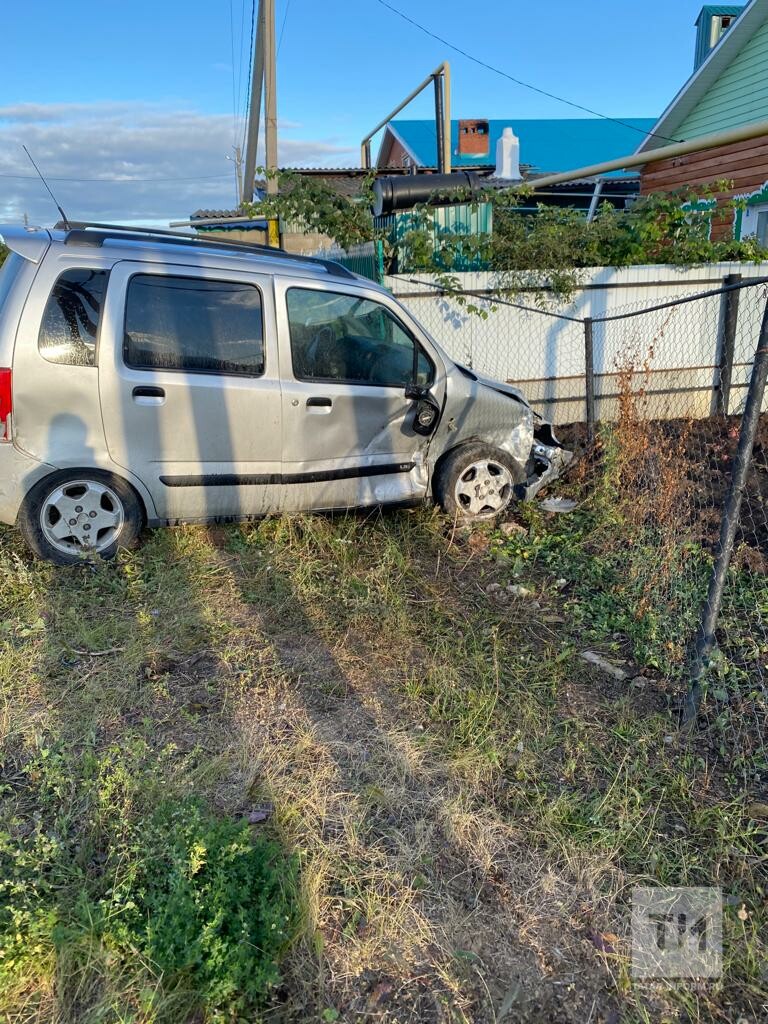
[[102, 511], [477, 482]]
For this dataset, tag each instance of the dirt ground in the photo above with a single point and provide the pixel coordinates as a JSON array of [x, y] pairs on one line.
[[471, 804]]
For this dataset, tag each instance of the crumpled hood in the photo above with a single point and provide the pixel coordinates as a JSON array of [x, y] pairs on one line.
[[501, 387]]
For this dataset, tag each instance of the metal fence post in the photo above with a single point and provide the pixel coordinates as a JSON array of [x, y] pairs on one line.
[[589, 374], [730, 315], [705, 637], [379, 259]]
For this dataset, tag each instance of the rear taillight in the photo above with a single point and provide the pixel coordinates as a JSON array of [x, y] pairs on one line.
[[6, 404]]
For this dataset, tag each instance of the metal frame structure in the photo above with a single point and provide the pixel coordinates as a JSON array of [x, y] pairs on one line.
[[440, 79]]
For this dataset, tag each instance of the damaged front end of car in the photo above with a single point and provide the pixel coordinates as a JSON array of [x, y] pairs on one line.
[[548, 459], [498, 413]]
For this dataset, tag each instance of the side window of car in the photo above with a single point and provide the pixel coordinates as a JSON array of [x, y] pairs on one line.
[[351, 339], [70, 324], [193, 324]]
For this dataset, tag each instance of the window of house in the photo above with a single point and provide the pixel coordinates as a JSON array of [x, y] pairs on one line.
[[70, 324], [351, 339], [188, 323], [761, 231]]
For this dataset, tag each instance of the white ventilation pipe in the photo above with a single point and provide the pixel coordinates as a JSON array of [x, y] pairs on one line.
[[508, 156]]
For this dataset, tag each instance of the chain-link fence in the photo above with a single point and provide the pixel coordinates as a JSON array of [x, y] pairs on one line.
[[674, 471], [680, 394]]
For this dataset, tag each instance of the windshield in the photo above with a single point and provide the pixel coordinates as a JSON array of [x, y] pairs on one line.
[[8, 274]]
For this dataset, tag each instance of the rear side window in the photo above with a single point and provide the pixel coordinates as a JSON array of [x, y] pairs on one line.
[[187, 323], [70, 324]]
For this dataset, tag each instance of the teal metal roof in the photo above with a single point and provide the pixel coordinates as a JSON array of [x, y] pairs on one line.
[[718, 10], [546, 146], [702, 23]]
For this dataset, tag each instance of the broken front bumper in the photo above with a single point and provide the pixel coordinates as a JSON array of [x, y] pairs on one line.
[[548, 460]]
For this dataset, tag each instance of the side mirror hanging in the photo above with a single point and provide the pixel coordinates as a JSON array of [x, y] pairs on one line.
[[427, 409]]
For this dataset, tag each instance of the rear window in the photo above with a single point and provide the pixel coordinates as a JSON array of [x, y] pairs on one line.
[[70, 324], [193, 324]]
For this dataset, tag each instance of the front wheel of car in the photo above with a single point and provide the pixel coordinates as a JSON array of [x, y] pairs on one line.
[[477, 482], [72, 515]]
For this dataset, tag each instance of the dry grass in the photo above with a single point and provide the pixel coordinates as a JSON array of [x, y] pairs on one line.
[[469, 803]]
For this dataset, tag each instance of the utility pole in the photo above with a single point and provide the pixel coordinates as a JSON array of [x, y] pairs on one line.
[[237, 162], [270, 111], [254, 110]]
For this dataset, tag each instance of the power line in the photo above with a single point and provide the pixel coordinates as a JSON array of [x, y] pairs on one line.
[[282, 27], [234, 90], [247, 109], [240, 55], [517, 81], [116, 181]]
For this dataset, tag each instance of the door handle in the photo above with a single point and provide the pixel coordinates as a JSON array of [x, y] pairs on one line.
[[318, 403], [148, 395], [148, 392]]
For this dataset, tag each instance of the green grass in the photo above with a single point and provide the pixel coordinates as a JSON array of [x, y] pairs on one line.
[[127, 892], [459, 803]]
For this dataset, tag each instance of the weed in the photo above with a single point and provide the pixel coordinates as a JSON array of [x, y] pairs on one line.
[[206, 907]]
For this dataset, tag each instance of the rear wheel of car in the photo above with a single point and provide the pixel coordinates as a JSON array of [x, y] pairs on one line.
[[72, 515], [477, 482]]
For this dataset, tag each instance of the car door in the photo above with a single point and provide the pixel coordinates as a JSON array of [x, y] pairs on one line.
[[347, 357], [190, 387]]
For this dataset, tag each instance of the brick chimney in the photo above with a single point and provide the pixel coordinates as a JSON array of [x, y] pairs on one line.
[[474, 138]]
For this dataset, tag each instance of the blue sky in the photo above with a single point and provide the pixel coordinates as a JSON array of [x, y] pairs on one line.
[[143, 90]]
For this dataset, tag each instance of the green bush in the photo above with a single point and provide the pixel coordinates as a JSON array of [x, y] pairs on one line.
[[554, 244], [210, 906], [527, 244], [172, 911]]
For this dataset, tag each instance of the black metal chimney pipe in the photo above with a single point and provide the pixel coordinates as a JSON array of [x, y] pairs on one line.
[[393, 192]]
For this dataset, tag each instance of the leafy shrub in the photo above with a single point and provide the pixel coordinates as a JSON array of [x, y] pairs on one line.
[[141, 910], [526, 245], [210, 906]]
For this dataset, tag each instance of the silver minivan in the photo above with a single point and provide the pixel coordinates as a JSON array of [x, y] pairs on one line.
[[150, 378]]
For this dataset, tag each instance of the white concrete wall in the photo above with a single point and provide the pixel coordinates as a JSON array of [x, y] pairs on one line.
[[674, 351]]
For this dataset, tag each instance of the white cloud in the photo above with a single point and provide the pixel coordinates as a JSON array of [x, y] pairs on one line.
[[131, 141]]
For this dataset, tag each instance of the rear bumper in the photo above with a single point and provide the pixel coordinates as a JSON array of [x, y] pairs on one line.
[[18, 473]]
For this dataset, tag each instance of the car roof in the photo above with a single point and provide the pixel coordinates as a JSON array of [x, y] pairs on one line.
[[158, 245]]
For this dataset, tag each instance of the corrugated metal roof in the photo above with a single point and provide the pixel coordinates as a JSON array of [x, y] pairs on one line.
[[718, 10], [211, 214], [703, 26], [546, 145]]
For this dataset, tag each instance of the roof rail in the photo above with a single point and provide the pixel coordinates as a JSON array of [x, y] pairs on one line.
[[84, 233]]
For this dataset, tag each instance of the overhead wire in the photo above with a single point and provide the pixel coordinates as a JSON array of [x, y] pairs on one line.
[[234, 90], [282, 27], [247, 109], [115, 181], [518, 81], [240, 56]]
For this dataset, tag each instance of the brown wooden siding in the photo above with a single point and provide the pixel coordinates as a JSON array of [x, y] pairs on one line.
[[393, 153], [745, 164]]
